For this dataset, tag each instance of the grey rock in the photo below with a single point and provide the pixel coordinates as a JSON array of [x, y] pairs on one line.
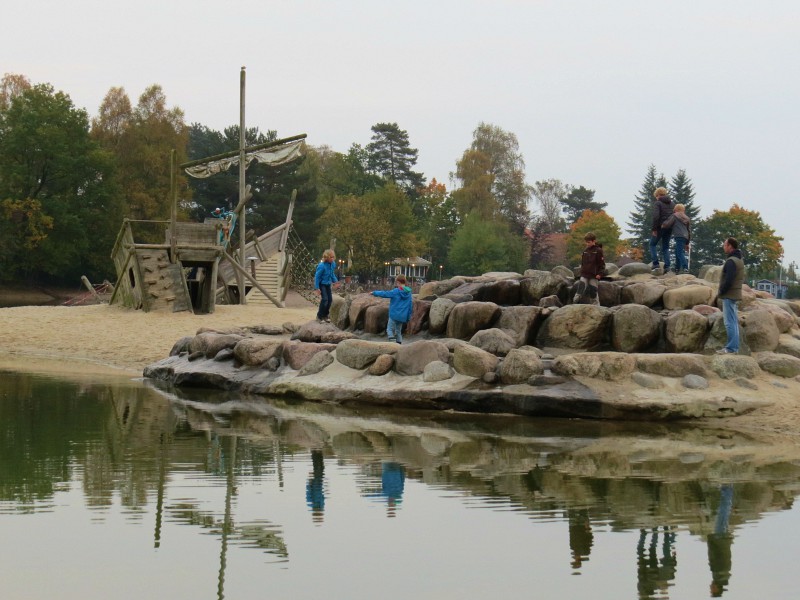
[[467, 318], [634, 268], [316, 364], [731, 366], [411, 359], [647, 381], [437, 371], [359, 354], [519, 366], [635, 328], [472, 361], [257, 350], [782, 365], [493, 340], [694, 382], [671, 365], [576, 326], [685, 331]]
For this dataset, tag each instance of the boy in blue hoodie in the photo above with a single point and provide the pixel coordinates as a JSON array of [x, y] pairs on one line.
[[400, 304]]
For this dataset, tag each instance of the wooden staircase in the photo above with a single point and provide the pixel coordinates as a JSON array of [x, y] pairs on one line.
[[269, 276]]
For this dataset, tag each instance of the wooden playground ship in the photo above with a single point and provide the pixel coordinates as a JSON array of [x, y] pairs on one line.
[[180, 266]]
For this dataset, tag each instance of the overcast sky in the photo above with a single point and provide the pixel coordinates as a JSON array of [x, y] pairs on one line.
[[595, 92]]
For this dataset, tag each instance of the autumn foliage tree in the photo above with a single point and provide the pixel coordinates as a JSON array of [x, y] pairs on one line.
[[603, 226], [761, 248]]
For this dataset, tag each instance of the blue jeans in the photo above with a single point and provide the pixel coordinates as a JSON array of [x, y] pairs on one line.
[[394, 331], [680, 254], [664, 236], [731, 317], [325, 301]]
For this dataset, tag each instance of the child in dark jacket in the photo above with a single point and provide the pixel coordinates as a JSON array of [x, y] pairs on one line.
[[593, 266], [400, 305]]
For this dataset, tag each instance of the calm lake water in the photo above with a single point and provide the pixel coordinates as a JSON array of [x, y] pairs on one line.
[[112, 488]]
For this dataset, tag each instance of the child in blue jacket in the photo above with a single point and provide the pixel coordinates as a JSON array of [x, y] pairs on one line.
[[324, 278], [400, 304]]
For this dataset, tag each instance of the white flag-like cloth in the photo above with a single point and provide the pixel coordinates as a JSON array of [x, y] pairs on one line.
[[269, 156]]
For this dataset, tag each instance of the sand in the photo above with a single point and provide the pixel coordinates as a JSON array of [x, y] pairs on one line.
[[111, 340], [99, 338]]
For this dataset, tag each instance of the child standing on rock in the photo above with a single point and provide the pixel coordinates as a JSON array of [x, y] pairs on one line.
[[400, 304], [593, 265]]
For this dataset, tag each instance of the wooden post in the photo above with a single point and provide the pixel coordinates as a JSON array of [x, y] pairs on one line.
[[173, 217], [242, 192]]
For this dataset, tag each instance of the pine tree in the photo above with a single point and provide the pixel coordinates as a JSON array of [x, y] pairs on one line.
[[578, 200], [391, 156], [682, 192], [640, 222]]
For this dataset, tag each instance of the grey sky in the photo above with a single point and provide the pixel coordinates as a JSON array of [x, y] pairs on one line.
[[595, 92]]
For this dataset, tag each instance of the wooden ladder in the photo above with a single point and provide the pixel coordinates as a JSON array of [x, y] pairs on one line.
[[268, 277]]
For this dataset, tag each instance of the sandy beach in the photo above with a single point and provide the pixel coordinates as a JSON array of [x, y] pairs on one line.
[[99, 338]]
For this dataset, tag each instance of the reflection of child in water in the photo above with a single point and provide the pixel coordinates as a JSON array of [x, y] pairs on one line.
[[315, 487], [393, 478], [719, 544]]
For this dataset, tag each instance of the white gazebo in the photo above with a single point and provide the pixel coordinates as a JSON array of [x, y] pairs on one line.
[[413, 267]]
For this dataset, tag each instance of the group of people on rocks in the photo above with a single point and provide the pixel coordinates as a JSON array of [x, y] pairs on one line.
[[670, 221]]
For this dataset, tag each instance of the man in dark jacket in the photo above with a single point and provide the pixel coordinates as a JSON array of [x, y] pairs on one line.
[[661, 212], [730, 292]]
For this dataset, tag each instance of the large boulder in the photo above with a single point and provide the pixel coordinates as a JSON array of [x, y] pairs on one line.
[[784, 317], [316, 364], [536, 285], [472, 361], [359, 354], [685, 331], [711, 273], [634, 268], [314, 331], [437, 371], [382, 365], [256, 351], [733, 366], [759, 329], [609, 293], [410, 359], [635, 328], [647, 293], [438, 314], [468, 317], [297, 354], [788, 345], [688, 296], [419, 317], [376, 317], [671, 365], [521, 322], [781, 365], [611, 366], [339, 311], [439, 288], [493, 340], [210, 343], [577, 326], [519, 366], [358, 308]]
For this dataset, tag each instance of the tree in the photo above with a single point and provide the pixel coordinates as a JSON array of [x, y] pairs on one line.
[[335, 174], [502, 169], [439, 220], [578, 200], [481, 246], [550, 195], [682, 192], [475, 194], [603, 226], [541, 244], [761, 248], [58, 186], [641, 218], [23, 227], [12, 86], [141, 140], [391, 156], [370, 229]]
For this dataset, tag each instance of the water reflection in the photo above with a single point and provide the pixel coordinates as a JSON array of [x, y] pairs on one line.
[[169, 453]]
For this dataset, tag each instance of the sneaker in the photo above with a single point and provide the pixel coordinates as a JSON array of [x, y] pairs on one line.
[[319, 320], [327, 319], [725, 351], [391, 339]]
